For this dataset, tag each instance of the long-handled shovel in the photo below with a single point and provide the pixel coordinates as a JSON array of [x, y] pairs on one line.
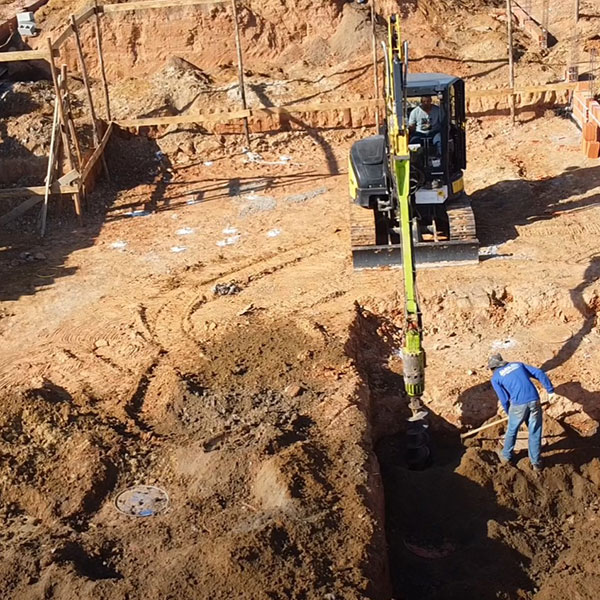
[[488, 425]]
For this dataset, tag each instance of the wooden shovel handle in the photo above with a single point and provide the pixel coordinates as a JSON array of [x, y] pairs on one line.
[[483, 427]]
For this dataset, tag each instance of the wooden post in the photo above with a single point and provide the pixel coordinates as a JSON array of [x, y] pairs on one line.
[[240, 69], [511, 60], [63, 125], [576, 11], [69, 116], [88, 91], [98, 32], [86, 81], [50, 170], [375, 73]]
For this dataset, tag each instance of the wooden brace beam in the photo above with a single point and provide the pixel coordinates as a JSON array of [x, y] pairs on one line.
[[23, 55], [144, 4]]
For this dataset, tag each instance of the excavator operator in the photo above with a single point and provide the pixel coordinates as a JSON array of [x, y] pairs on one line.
[[425, 122]]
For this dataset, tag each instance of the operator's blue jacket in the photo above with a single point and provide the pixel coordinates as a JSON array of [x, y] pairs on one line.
[[512, 383]]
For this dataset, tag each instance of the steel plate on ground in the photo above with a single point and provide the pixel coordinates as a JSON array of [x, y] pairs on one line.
[[427, 255]]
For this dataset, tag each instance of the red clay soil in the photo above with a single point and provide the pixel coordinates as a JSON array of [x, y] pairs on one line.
[[257, 411], [270, 415]]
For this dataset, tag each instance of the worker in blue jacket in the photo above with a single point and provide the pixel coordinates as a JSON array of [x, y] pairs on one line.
[[521, 402]]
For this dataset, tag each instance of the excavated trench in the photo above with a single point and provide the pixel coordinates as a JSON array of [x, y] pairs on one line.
[[467, 526]]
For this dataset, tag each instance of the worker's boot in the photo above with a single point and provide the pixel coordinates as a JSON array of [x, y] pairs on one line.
[[537, 467], [503, 459]]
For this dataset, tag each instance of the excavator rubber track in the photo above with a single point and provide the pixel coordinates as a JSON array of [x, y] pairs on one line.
[[461, 249], [462, 220]]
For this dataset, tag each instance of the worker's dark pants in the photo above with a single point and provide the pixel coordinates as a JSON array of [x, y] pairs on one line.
[[530, 413]]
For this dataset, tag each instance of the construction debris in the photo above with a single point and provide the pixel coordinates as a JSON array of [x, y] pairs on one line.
[[226, 289]]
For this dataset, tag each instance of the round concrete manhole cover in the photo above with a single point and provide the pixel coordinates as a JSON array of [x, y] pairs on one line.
[[142, 501]]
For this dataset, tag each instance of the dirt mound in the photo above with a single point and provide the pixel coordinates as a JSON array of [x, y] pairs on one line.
[[237, 433], [496, 531], [54, 465]]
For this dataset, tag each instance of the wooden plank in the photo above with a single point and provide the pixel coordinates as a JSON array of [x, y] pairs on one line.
[[64, 126], [23, 55], [375, 67], [534, 89], [85, 15], [144, 4], [88, 90], [238, 45], [68, 32], [511, 61], [251, 112], [39, 190], [69, 114], [86, 81], [62, 38], [185, 119], [96, 154], [51, 166], [263, 111], [98, 34], [313, 107]]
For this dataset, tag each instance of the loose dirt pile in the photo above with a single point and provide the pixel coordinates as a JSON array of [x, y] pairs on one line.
[[494, 531], [25, 127], [257, 478]]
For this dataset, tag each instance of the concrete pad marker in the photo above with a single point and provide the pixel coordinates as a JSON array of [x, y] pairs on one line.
[[142, 501], [504, 344], [228, 241]]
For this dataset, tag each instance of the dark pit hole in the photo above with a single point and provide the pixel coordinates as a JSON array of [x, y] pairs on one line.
[[298, 432], [95, 567], [193, 385]]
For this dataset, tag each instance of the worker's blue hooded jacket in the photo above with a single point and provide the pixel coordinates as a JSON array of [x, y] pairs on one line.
[[512, 383]]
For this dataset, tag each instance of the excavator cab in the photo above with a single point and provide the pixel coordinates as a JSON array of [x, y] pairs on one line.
[[443, 224], [438, 159]]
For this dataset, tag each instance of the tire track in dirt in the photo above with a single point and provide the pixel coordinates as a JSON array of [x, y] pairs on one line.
[[135, 403], [176, 312]]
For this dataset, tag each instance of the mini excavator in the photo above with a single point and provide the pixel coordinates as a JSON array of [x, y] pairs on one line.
[[409, 207]]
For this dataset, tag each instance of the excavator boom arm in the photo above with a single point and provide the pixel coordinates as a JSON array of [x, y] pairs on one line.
[[399, 158]]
